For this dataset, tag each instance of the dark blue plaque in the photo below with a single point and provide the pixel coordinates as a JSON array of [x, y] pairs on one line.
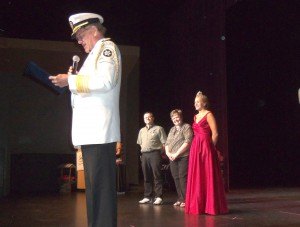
[[36, 73]]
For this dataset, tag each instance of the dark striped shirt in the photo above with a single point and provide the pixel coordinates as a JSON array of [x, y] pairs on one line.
[[177, 137]]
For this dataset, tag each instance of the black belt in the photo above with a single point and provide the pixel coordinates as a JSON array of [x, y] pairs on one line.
[[143, 152]]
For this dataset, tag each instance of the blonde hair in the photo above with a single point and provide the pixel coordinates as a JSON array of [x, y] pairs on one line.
[[203, 98], [176, 111]]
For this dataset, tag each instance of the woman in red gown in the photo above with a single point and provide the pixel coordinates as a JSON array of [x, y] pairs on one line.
[[205, 192]]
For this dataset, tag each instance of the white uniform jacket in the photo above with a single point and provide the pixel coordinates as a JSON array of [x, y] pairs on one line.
[[95, 96]]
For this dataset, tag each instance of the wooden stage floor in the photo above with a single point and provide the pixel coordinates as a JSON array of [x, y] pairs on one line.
[[255, 207]]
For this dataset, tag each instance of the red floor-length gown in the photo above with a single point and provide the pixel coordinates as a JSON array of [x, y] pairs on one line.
[[205, 192]]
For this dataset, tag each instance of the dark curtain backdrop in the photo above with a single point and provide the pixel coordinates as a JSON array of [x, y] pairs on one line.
[[252, 59], [181, 54], [186, 47], [263, 82]]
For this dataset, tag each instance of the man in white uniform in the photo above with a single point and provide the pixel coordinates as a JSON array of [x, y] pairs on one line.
[[96, 121]]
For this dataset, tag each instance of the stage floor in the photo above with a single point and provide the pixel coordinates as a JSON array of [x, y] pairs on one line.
[[255, 207]]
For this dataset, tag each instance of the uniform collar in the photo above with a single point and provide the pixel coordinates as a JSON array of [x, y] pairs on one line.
[[99, 42]]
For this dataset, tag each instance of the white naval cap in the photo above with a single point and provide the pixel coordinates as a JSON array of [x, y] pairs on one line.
[[80, 20]]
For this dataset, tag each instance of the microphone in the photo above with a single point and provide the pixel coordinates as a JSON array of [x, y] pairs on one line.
[[75, 59]]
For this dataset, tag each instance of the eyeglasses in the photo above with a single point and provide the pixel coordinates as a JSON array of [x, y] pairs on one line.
[[81, 35]]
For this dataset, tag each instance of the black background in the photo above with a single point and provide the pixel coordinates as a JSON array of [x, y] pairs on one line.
[[262, 71]]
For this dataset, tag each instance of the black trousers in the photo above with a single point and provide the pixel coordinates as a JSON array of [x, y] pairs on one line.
[[179, 169], [151, 166], [99, 162]]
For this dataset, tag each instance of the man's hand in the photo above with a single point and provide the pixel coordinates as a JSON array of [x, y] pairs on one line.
[[60, 80]]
